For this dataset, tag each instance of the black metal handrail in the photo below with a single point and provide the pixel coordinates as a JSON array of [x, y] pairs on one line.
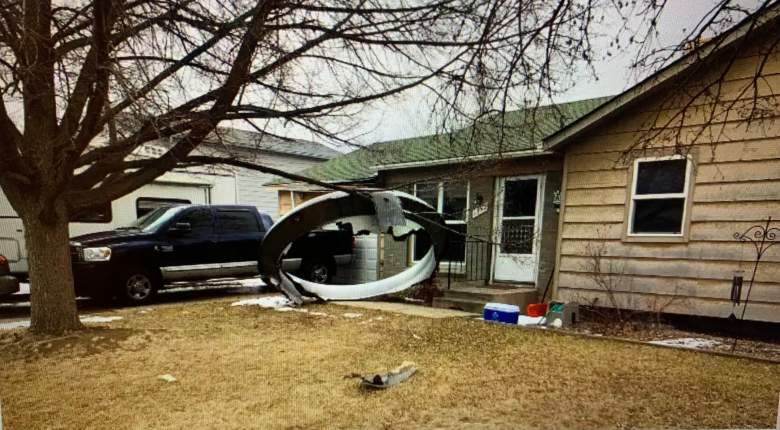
[[475, 265]]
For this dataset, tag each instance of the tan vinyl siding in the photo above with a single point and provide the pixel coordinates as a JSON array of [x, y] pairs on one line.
[[736, 184], [285, 202]]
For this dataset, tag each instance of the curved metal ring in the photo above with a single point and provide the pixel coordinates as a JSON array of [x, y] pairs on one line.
[[330, 208]]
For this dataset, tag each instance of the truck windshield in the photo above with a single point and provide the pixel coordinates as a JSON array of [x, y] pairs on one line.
[[154, 219]]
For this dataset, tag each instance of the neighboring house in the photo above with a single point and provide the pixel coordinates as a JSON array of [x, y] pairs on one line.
[[201, 185], [289, 155]]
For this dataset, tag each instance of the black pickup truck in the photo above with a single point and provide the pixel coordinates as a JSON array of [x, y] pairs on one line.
[[194, 242]]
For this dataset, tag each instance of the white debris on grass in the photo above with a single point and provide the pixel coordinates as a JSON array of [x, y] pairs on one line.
[[269, 302], [278, 303], [525, 320], [352, 315], [167, 378], [687, 342], [84, 318]]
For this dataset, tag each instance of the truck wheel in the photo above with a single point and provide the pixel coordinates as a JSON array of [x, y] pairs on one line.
[[319, 270], [137, 286]]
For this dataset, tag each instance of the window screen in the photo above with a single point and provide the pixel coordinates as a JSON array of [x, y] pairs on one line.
[[658, 197], [517, 236], [236, 222]]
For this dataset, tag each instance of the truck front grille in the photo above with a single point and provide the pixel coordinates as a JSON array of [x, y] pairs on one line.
[[76, 253]]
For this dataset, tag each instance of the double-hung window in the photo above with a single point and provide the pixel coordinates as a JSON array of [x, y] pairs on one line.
[[659, 196], [451, 200]]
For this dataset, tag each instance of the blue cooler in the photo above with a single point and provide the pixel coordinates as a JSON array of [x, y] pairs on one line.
[[501, 313]]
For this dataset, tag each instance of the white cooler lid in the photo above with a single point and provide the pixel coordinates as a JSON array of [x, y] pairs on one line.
[[502, 307]]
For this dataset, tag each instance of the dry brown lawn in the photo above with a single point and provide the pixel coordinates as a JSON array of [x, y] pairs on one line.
[[248, 367]]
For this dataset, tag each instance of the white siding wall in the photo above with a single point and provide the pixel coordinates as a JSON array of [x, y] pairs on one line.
[[250, 183]]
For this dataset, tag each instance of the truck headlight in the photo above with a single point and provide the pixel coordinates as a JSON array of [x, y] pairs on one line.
[[102, 253]]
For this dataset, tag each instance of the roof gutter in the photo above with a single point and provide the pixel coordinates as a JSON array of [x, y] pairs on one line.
[[653, 81], [306, 186], [453, 160]]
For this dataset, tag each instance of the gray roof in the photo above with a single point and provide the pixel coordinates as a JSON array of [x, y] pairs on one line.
[[266, 142]]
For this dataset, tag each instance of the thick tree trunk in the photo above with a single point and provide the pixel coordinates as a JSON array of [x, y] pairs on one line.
[[52, 296]]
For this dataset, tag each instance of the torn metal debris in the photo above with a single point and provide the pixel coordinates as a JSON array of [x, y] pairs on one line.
[[389, 379], [399, 215]]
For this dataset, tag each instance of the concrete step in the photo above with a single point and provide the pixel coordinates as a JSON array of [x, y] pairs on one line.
[[467, 305], [474, 299]]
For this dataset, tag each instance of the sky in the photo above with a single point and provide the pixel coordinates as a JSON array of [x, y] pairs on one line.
[[407, 116]]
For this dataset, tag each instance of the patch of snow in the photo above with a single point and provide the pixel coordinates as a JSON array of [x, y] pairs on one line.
[[270, 302], [85, 319], [319, 314], [167, 378], [251, 282], [24, 288], [15, 305], [351, 315], [98, 319], [286, 309], [525, 320], [14, 324], [687, 342]]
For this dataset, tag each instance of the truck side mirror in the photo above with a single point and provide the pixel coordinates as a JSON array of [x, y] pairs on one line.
[[180, 227]]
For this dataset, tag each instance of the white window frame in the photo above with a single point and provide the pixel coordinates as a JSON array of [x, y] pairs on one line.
[[633, 197], [444, 265]]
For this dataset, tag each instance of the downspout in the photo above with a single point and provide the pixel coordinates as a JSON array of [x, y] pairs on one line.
[[559, 233]]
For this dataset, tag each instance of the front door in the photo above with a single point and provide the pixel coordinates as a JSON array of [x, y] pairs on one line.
[[517, 228]]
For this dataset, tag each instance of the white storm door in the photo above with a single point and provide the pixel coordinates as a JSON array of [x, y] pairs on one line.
[[517, 221]]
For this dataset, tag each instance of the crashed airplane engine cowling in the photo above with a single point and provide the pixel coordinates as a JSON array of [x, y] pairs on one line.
[[389, 209]]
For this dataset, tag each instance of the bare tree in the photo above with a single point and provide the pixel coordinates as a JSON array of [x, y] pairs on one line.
[[695, 112], [172, 70]]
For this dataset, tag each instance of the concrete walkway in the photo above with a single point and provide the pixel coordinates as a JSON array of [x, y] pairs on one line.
[[406, 309]]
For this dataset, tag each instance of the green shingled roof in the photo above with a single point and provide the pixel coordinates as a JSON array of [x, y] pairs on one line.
[[522, 130]]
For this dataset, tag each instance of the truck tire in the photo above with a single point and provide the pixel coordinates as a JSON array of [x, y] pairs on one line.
[[137, 285], [318, 270]]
